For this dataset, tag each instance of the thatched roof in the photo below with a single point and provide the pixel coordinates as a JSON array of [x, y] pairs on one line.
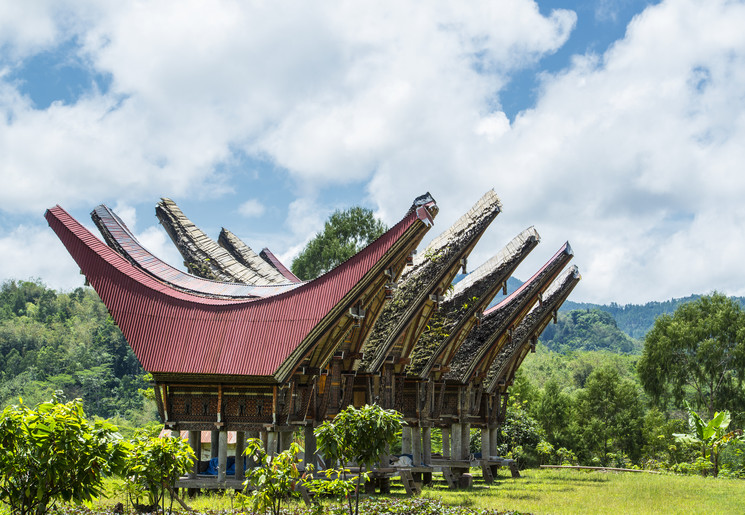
[[202, 255], [248, 258], [530, 328], [432, 270], [485, 341], [449, 326]]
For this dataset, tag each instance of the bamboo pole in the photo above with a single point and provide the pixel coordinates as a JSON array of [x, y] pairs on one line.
[[579, 467]]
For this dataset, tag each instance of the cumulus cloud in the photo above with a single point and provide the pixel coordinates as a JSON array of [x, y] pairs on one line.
[[634, 156], [325, 92], [33, 252], [631, 155], [251, 208]]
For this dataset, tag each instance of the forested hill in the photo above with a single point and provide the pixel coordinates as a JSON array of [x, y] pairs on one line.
[[636, 319], [583, 326], [66, 341], [587, 330]]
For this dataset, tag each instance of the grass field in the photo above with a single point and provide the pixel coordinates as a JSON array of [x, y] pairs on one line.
[[567, 491], [572, 491]]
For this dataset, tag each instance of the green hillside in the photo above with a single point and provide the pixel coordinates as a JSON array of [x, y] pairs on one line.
[[588, 330], [636, 319], [67, 341]]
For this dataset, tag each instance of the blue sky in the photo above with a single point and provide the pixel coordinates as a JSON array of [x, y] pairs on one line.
[[616, 125]]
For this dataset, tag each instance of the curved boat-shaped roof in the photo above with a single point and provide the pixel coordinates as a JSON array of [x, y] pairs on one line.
[[121, 239], [268, 256], [482, 345], [403, 320], [250, 259], [513, 353], [202, 255], [173, 332], [455, 318]]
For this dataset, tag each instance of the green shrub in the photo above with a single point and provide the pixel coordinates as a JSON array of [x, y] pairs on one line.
[[359, 435], [52, 453], [273, 480], [152, 467]]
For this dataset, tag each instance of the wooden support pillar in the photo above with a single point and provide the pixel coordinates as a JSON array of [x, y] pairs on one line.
[[493, 434], [457, 442], [310, 446], [406, 440], [271, 443], [240, 459], [427, 446], [486, 443], [194, 438], [214, 444], [466, 445], [253, 435], [446, 443], [222, 458], [385, 458], [285, 439], [416, 445]]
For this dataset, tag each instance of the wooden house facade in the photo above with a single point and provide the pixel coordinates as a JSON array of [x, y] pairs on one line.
[[240, 344]]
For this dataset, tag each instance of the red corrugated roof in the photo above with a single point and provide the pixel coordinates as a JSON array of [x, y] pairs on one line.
[[565, 249], [172, 331], [268, 256], [118, 234]]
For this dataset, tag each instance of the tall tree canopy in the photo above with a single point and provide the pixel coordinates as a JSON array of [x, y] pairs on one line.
[[697, 353], [345, 233], [609, 415]]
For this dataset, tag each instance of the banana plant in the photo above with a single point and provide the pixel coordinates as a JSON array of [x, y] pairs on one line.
[[712, 436]]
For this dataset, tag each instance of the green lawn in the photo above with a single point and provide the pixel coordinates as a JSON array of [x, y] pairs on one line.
[[566, 491], [572, 491]]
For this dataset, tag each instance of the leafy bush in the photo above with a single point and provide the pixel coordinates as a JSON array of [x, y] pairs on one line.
[[153, 466], [52, 453], [710, 437], [359, 435], [273, 480], [519, 436]]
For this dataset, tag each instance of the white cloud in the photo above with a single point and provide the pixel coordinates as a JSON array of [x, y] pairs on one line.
[[634, 155], [157, 242], [31, 252], [251, 208], [127, 213], [326, 92]]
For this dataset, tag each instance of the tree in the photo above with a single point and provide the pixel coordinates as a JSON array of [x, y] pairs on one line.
[[52, 453], [712, 436], [608, 415], [152, 467], [359, 435], [697, 353], [345, 233], [519, 435], [273, 480], [553, 414]]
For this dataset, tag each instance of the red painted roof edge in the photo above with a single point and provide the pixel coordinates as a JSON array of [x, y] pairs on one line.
[[169, 335], [565, 249], [270, 258]]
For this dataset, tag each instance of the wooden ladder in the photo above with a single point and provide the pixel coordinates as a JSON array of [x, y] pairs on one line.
[[411, 486], [447, 473], [486, 472]]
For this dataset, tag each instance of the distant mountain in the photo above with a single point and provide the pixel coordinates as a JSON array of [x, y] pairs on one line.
[[587, 330], [587, 326], [636, 319]]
